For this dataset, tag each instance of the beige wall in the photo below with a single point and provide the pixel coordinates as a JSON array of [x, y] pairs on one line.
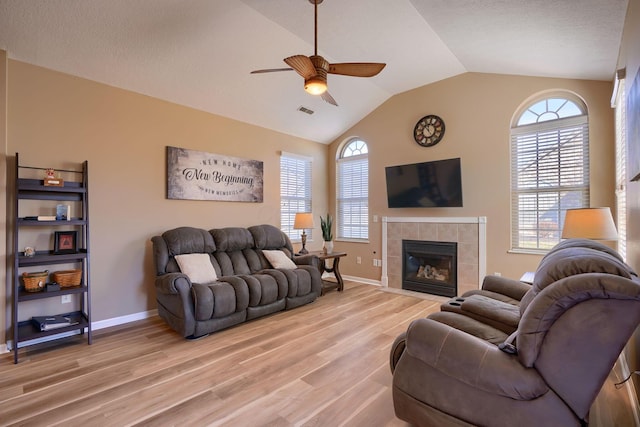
[[56, 120], [630, 59], [477, 110]]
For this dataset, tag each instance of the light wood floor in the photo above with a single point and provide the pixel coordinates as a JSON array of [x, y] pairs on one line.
[[324, 364]]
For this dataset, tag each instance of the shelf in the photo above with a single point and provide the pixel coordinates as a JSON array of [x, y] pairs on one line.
[[29, 296], [27, 330], [48, 257], [35, 189], [25, 184], [33, 223], [26, 191]]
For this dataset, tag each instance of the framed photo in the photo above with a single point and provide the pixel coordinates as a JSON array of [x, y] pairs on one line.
[[65, 242]]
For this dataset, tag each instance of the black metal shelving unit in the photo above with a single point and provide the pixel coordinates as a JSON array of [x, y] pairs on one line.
[[74, 191]]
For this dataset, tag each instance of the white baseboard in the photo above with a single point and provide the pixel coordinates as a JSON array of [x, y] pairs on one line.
[[362, 280], [101, 324], [115, 321]]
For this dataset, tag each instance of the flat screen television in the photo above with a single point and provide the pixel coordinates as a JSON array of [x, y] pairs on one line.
[[425, 185]]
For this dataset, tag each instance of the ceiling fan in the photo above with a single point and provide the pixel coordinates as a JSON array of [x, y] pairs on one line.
[[314, 68]]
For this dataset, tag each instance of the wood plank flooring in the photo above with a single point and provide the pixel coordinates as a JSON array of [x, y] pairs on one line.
[[324, 364]]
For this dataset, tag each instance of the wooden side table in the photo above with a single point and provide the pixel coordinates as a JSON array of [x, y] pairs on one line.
[[335, 256]]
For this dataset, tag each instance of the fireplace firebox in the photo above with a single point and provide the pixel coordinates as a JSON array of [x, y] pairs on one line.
[[430, 267]]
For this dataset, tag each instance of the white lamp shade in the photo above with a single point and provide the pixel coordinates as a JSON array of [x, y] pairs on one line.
[[589, 223], [303, 220]]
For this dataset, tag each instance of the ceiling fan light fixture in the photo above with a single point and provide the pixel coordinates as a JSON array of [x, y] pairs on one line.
[[315, 85]]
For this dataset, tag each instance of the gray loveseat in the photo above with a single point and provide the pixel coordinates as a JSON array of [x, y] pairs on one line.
[[240, 283], [461, 366]]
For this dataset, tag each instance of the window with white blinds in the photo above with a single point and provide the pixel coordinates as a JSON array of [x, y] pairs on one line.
[[353, 192], [295, 192], [549, 171], [621, 164]]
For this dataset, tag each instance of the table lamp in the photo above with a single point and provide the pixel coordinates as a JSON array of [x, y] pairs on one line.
[[589, 223], [303, 221]]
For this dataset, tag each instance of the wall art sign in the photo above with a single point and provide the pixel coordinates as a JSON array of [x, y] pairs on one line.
[[197, 175]]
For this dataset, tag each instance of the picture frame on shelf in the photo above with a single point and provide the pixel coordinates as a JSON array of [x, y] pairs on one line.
[[65, 242], [63, 212]]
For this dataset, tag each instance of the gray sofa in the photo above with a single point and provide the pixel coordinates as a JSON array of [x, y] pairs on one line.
[[242, 285], [458, 368]]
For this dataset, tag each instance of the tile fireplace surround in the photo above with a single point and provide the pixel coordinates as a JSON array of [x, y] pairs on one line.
[[469, 232]]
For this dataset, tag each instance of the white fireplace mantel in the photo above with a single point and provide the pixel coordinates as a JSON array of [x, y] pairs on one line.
[[481, 221]]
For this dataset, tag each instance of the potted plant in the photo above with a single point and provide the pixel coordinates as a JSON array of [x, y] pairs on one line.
[[327, 234]]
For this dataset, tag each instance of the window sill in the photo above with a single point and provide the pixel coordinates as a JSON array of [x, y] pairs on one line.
[[352, 240], [528, 251]]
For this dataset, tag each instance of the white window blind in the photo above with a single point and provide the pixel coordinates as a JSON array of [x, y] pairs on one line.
[[621, 166], [353, 197], [550, 174], [295, 192]]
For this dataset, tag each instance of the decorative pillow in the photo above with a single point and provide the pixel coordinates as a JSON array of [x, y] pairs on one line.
[[198, 267], [279, 259]]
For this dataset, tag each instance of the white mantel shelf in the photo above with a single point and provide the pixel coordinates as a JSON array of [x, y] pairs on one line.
[[481, 221]]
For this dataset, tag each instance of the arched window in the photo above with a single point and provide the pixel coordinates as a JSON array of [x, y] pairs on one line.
[[549, 169], [353, 191]]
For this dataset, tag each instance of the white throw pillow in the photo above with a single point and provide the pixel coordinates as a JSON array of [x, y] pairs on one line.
[[279, 259], [198, 267]]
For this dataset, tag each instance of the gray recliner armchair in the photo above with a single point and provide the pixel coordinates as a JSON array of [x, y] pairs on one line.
[[573, 325], [497, 303]]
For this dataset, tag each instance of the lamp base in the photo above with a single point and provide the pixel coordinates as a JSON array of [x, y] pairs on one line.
[[303, 236]]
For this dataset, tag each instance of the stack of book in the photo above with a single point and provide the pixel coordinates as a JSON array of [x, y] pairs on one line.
[[47, 323]]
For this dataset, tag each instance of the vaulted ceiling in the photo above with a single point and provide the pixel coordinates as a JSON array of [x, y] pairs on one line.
[[200, 53]]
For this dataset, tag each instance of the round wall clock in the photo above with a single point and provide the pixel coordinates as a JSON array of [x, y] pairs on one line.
[[429, 130]]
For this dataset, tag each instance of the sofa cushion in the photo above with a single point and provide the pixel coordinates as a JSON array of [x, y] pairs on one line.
[[584, 243], [279, 259], [572, 261], [232, 239], [269, 237], [490, 311], [188, 240], [214, 300], [198, 267]]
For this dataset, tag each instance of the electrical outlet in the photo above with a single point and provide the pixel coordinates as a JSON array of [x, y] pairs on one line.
[[379, 263], [375, 218], [358, 260], [497, 273], [375, 262], [65, 299]]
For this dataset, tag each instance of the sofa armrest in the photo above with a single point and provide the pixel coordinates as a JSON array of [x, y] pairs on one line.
[[502, 285], [170, 283], [472, 360], [309, 259]]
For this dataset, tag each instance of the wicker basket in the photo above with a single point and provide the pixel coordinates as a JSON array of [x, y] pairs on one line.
[[67, 278], [36, 281]]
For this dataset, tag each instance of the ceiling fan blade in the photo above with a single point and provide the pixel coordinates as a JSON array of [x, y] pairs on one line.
[[328, 98], [271, 70], [357, 69], [302, 64]]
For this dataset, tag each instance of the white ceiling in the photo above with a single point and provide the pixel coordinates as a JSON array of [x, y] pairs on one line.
[[199, 53]]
